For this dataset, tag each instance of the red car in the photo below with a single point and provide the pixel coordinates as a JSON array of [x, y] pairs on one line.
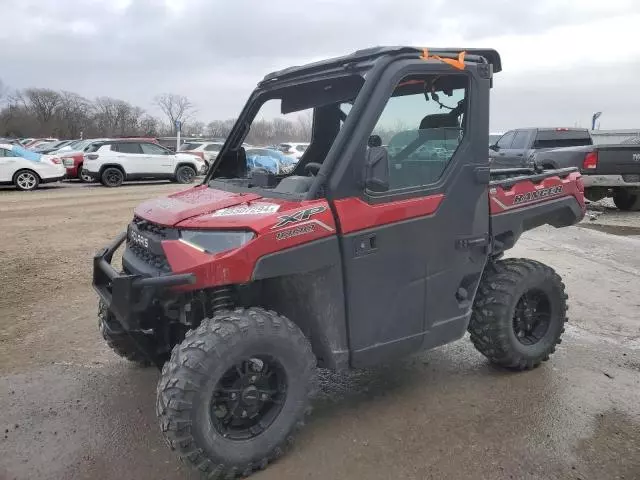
[[73, 160]]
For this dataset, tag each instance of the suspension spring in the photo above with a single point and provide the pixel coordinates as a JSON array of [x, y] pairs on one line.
[[222, 299]]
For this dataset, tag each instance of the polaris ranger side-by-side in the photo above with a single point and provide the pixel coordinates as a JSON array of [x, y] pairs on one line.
[[240, 287]]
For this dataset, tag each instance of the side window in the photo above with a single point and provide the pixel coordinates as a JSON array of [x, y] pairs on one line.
[[151, 149], [422, 131], [520, 140], [3, 153], [127, 147], [507, 138], [212, 148]]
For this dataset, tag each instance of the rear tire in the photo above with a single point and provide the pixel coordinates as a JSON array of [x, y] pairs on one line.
[[118, 340], [519, 313], [26, 180], [625, 200], [213, 391], [185, 174], [112, 177]]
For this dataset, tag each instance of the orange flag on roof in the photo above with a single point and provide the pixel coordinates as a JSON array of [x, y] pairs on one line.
[[459, 63]]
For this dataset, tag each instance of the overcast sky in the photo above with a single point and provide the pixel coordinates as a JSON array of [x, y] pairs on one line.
[[562, 59]]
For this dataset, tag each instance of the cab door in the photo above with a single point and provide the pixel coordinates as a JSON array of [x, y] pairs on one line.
[[414, 253]]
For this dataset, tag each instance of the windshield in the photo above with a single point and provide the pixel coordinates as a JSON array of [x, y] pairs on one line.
[[263, 153]]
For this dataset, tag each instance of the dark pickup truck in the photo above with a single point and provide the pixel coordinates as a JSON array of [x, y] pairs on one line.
[[607, 170], [516, 148]]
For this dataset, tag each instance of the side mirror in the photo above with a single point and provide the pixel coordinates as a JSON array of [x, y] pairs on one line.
[[376, 169], [494, 147]]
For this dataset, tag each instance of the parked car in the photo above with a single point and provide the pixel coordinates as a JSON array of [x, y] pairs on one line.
[[38, 141], [516, 148], [294, 149], [50, 147], [208, 151], [114, 161], [73, 160], [26, 170], [274, 161]]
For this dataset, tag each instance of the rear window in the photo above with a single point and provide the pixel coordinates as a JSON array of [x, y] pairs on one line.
[[185, 147], [562, 138]]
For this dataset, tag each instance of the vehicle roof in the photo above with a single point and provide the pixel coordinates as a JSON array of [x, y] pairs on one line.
[[559, 129], [474, 54]]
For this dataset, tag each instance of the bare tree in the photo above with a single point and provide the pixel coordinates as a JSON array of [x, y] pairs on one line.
[[305, 124], [194, 127], [73, 114], [175, 107], [43, 102], [220, 128], [149, 126], [3, 92]]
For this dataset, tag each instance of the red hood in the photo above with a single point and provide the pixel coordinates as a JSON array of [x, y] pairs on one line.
[[193, 202]]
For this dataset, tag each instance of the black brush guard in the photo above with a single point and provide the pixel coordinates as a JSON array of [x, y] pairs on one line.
[[128, 295]]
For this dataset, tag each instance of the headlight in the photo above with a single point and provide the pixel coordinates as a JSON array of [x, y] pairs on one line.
[[215, 241]]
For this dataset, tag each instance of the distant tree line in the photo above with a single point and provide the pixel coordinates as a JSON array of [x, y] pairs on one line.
[[43, 112]]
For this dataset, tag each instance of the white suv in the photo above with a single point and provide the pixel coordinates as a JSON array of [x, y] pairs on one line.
[[114, 161]]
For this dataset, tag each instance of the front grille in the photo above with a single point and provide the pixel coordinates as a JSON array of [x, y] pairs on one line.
[[153, 256], [153, 228], [158, 262]]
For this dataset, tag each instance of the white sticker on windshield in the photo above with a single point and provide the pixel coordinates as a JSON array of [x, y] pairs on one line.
[[247, 210]]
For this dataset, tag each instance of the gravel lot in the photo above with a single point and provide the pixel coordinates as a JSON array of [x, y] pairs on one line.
[[72, 409]]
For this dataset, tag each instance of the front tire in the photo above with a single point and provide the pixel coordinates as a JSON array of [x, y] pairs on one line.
[[235, 391], [112, 177], [519, 313], [185, 174], [26, 180], [118, 340]]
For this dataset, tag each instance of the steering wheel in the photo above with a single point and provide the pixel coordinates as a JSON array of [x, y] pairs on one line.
[[312, 168]]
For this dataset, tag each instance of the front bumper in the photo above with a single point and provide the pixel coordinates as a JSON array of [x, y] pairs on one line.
[[609, 180], [126, 296]]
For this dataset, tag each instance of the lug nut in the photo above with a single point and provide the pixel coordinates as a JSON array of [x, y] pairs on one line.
[[244, 413], [264, 396], [253, 379]]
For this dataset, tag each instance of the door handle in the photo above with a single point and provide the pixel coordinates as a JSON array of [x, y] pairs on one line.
[[365, 244], [502, 154], [520, 155]]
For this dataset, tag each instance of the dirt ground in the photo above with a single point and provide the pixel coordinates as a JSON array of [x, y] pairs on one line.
[[72, 409]]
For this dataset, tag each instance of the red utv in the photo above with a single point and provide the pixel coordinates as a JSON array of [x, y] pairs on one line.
[[240, 287]]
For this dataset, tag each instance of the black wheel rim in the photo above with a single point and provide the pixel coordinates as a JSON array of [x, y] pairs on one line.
[[113, 177], [248, 398], [532, 317], [186, 175]]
